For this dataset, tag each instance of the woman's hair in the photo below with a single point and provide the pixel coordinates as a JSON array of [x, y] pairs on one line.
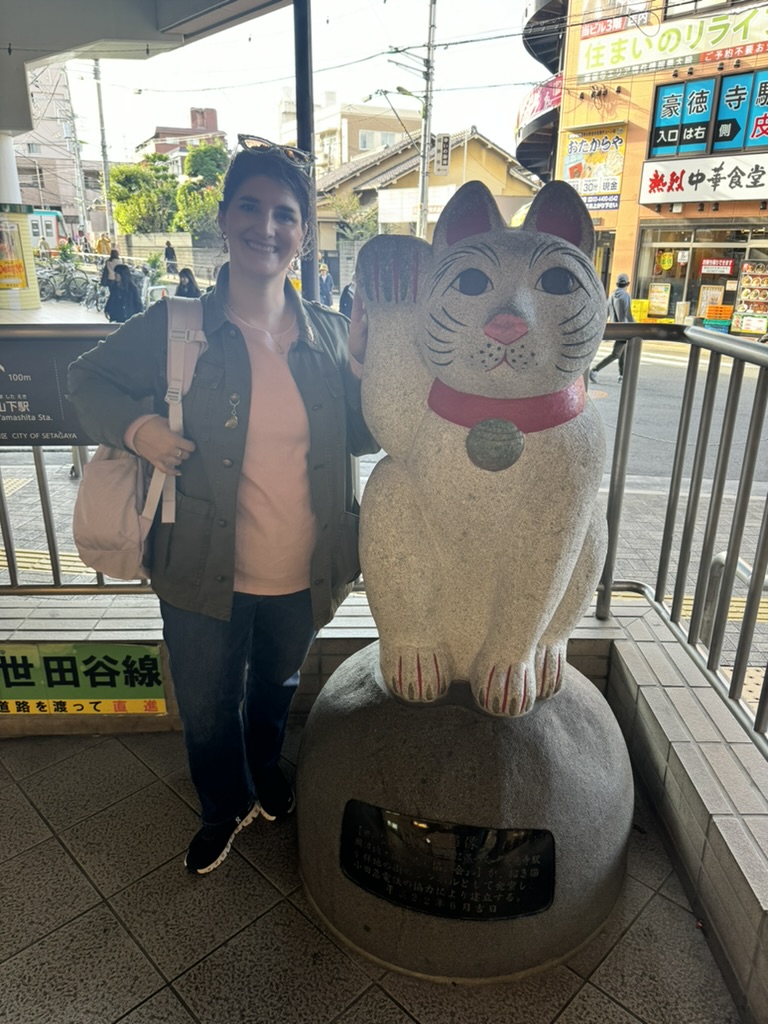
[[114, 255], [187, 281], [249, 164], [123, 273]]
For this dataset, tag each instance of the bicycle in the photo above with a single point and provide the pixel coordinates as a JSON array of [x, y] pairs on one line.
[[63, 281], [96, 296]]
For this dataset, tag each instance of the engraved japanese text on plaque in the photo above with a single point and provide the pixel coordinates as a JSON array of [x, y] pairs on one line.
[[449, 870]]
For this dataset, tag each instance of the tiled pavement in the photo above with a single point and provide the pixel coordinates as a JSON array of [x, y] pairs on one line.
[[101, 923]]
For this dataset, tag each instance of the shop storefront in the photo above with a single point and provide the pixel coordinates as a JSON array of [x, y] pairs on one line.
[[716, 273]]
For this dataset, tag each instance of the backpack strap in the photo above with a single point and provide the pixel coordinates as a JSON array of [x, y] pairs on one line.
[[185, 327]]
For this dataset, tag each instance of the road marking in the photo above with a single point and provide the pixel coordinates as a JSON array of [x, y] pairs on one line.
[[735, 610], [39, 561], [13, 484]]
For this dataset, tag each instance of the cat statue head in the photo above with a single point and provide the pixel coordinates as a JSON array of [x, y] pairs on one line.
[[512, 312]]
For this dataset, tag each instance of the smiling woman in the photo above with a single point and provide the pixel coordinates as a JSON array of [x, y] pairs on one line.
[[262, 551]]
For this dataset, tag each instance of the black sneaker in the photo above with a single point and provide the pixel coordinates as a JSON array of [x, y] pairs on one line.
[[211, 845], [593, 377], [276, 794]]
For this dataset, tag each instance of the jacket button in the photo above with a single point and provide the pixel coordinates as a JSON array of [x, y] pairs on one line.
[[232, 332], [220, 579], [317, 583], [226, 462], [316, 407], [221, 522]]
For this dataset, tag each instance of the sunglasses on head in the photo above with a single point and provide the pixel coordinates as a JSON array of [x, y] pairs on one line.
[[255, 144]]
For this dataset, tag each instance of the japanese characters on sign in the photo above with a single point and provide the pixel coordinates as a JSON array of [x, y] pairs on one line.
[[712, 179], [675, 43], [681, 117], [13, 272], [717, 267], [593, 162], [442, 154], [544, 97], [447, 870], [83, 679], [613, 17], [33, 405]]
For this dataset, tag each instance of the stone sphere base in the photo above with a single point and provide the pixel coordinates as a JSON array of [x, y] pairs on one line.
[[447, 843]]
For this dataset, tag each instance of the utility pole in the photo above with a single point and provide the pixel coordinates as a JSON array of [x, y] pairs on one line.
[[104, 157], [426, 125], [74, 146]]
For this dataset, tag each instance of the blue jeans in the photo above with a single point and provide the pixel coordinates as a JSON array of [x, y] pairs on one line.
[[234, 682]]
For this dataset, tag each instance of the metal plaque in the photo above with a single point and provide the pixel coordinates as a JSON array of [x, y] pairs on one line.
[[448, 870]]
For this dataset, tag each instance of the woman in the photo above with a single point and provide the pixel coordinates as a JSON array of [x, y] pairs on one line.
[[170, 258], [264, 547], [187, 287], [326, 286], [124, 300]]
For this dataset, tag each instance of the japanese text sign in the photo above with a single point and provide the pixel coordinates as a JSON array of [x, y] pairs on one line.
[[87, 678], [713, 178], [677, 42], [593, 162], [717, 267]]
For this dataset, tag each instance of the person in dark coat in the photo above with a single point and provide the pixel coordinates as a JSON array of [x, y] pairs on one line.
[[619, 312], [187, 287], [346, 299], [326, 286], [170, 259], [124, 299]]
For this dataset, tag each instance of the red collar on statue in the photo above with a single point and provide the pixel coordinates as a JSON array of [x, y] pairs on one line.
[[528, 414]]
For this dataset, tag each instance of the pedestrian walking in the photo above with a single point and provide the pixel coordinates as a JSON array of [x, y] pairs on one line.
[[124, 299], [619, 312], [326, 285], [169, 255], [264, 546]]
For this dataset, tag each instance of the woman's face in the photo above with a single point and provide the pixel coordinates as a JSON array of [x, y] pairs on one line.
[[263, 227]]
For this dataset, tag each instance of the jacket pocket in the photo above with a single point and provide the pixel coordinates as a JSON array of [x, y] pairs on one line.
[[185, 543], [202, 400]]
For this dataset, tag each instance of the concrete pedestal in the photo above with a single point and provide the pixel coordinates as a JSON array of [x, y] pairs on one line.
[[447, 843]]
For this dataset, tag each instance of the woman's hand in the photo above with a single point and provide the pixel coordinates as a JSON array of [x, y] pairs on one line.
[[158, 444], [358, 327]]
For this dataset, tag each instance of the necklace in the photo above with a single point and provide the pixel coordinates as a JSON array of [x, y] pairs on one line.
[[275, 335]]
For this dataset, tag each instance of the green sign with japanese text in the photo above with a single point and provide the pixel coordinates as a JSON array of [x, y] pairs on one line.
[[88, 678]]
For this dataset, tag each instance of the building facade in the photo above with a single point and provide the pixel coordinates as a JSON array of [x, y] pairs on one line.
[[663, 129]]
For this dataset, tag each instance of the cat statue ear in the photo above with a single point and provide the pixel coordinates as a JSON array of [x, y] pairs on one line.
[[559, 210], [471, 211]]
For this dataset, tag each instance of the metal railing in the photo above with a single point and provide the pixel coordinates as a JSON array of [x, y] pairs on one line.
[[694, 526]]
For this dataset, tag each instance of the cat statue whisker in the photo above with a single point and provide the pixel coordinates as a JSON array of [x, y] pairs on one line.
[[481, 542]]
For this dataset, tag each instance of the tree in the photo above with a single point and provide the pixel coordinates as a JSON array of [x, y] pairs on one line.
[[356, 222], [197, 211], [206, 164], [143, 195]]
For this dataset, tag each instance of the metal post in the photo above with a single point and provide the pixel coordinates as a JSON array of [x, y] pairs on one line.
[[305, 131], [426, 126], [104, 157]]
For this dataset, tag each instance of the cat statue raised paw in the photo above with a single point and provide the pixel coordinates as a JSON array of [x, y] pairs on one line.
[[481, 544]]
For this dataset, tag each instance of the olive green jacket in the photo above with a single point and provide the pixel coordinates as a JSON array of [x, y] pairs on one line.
[[193, 559]]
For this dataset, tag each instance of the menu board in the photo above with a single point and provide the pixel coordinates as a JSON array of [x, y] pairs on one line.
[[752, 297]]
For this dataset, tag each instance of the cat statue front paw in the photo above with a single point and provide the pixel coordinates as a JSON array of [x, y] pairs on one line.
[[550, 665], [418, 674], [502, 686]]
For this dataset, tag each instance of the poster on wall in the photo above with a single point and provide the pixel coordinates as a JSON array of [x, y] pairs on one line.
[[658, 299], [709, 295], [593, 163], [13, 272]]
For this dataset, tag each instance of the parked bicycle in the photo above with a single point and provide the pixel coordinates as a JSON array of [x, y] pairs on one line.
[[62, 281], [96, 296]]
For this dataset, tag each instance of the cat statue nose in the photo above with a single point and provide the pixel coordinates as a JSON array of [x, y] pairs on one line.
[[506, 328]]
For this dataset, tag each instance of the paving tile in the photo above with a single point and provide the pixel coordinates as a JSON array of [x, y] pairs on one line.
[[21, 827], [280, 967], [374, 1007], [536, 999], [163, 752], [734, 848], [272, 846], [724, 921], [5, 776], [162, 1008], [703, 794], [25, 755], [647, 860], [374, 970], [715, 707], [40, 890], [181, 783], [663, 971], [633, 897], [754, 763], [673, 890], [730, 772], [179, 918], [89, 970], [132, 837], [590, 1006], [86, 783]]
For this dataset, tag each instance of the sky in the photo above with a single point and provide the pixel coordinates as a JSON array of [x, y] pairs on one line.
[[243, 72]]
